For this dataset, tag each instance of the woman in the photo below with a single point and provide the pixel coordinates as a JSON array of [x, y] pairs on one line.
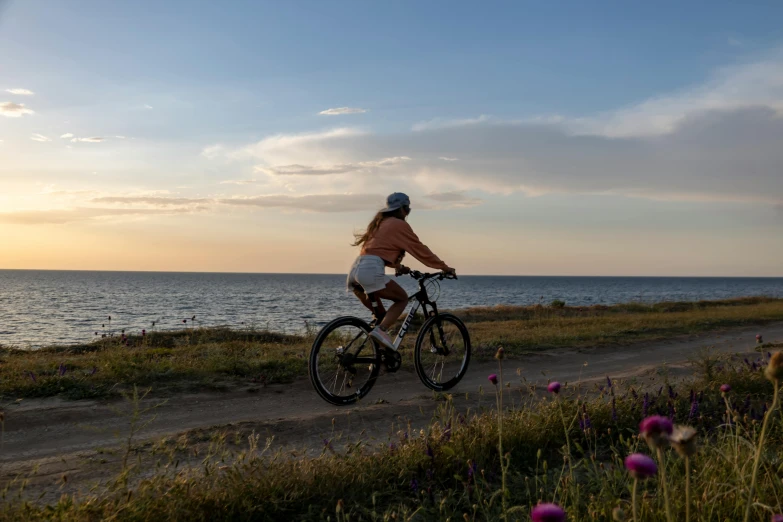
[[387, 238]]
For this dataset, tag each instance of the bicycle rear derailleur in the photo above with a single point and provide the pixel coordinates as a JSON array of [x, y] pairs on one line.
[[391, 359]]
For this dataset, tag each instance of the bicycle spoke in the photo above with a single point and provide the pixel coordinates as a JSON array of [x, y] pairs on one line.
[[337, 370]]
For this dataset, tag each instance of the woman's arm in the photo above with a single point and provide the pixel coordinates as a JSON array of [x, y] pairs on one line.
[[410, 242]]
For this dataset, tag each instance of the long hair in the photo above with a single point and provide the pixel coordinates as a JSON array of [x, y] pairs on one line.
[[372, 228]]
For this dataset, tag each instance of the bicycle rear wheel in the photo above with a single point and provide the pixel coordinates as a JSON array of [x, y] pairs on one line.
[[442, 352], [344, 361]]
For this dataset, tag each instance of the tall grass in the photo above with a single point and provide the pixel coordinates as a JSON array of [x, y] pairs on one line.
[[453, 469]]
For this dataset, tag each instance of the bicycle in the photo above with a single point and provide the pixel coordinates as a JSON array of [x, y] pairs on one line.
[[342, 375]]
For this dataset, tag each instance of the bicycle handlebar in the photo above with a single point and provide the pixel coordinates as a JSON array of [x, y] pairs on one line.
[[419, 276]]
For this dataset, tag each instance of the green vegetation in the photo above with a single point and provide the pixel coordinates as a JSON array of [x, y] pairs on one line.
[[567, 448], [216, 358]]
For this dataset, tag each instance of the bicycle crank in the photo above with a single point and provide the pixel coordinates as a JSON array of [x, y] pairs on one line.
[[391, 359]]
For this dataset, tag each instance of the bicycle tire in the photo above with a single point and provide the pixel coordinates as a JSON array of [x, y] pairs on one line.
[[426, 329], [315, 354]]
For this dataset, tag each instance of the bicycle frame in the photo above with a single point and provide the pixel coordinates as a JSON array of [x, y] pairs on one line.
[[420, 299]]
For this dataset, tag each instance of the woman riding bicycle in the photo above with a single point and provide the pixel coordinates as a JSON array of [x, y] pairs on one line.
[[387, 238]]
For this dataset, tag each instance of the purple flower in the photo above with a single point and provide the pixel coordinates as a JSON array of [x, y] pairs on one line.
[[608, 381], [694, 410], [472, 470], [547, 513], [415, 486], [656, 430], [554, 387], [777, 518], [614, 410], [61, 371], [640, 466], [392, 447], [32, 376], [493, 378], [672, 395], [646, 404], [725, 388], [94, 370]]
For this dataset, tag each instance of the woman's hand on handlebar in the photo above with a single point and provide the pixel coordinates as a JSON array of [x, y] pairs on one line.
[[402, 270], [450, 273]]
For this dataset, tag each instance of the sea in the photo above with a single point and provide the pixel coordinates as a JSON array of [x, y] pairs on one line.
[[46, 307]]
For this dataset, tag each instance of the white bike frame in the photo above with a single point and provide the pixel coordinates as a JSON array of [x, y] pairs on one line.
[[406, 324]]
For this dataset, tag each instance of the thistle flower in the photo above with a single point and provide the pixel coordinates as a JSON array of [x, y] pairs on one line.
[[725, 388], [683, 440], [759, 338], [777, 518], [143, 333], [61, 370], [548, 513], [554, 387], [500, 353], [774, 371], [608, 381], [656, 430], [32, 376], [493, 378], [640, 466]]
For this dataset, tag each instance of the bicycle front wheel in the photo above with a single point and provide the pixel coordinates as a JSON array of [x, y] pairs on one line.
[[344, 361], [442, 352]]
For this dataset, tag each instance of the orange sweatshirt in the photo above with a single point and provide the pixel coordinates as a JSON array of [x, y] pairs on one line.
[[395, 237]]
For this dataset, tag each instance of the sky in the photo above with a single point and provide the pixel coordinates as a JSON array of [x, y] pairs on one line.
[[558, 138]]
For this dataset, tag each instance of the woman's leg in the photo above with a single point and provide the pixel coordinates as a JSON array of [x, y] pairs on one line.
[[368, 303], [392, 292]]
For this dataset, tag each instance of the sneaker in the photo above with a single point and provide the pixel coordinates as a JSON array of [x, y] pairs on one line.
[[382, 337]]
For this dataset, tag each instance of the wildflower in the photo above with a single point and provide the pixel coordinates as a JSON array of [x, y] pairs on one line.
[[392, 447], [725, 388], [672, 395], [415, 486], [554, 387], [777, 518], [608, 382], [548, 513], [32, 376], [500, 353], [683, 440], [493, 378], [694, 410], [143, 333], [618, 515], [184, 321], [759, 339], [646, 404], [774, 371], [94, 370], [640, 466], [614, 410], [61, 370], [656, 430]]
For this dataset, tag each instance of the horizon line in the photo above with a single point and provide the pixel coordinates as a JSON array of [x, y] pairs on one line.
[[343, 274]]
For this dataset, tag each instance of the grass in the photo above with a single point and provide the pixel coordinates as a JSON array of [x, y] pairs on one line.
[[202, 358], [452, 470]]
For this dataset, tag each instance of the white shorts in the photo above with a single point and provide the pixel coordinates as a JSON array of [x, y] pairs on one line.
[[368, 272]]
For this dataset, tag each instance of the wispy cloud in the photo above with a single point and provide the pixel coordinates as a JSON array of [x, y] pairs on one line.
[[440, 123], [94, 139], [63, 216], [39, 137], [20, 92], [148, 106], [445, 158], [213, 151], [337, 111], [120, 137], [14, 110], [455, 198], [154, 201], [322, 170], [239, 182], [67, 135], [311, 203]]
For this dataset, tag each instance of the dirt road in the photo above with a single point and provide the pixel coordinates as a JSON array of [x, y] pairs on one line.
[[75, 438]]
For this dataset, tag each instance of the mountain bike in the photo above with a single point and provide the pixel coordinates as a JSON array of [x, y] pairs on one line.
[[345, 361]]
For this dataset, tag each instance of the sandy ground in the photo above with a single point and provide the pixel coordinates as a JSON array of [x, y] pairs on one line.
[[46, 440]]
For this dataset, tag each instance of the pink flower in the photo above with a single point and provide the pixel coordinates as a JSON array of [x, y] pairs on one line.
[[777, 518], [759, 339], [725, 388], [493, 378], [548, 513], [640, 466], [554, 387]]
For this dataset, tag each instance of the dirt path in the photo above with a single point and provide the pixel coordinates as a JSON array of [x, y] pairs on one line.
[[75, 438]]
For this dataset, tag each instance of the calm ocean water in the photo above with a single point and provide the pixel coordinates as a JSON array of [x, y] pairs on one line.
[[61, 307]]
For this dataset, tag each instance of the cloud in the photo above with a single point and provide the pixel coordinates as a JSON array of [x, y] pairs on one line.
[[67, 135], [14, 110], [20, 92], [148, 106], [444, 158], [154, 201], [455, 198], [120, 137], [94, 139], [39, 137], [239, 182], [309, 148], [439, 123], [63, 216], [321, 170], [213, 151], [311, 203], [342, 110]]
